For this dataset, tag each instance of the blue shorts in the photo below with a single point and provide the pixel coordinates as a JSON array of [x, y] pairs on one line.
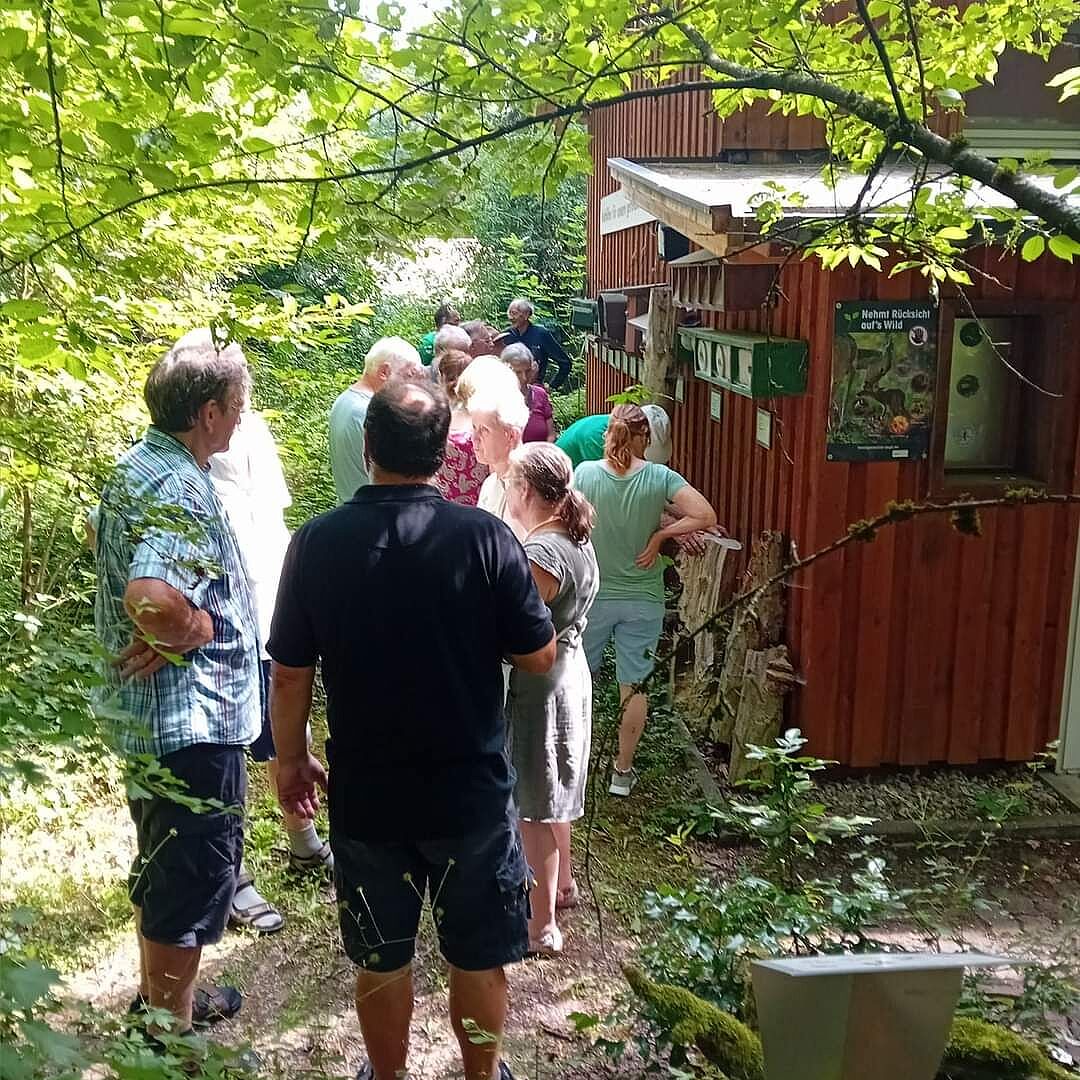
[[184, 875], [636, 626], [478, 886]]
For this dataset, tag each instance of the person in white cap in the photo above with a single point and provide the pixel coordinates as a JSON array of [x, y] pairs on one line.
[[583, 440]]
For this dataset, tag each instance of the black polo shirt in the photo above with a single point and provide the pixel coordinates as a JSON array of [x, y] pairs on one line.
[[545, 347], [411, 603]]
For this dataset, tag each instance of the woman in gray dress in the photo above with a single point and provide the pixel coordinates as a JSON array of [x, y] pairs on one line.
[[550, 716]]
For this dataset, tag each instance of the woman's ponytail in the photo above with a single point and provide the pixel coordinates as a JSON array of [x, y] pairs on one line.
[[576, 513], [628, 425], [550, 473]]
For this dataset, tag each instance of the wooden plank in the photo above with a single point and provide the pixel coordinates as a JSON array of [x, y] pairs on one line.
[[999, 638], [1058, 615], [944, 574], [873, 623], [848, 650], [976, 586], [1032, 574], [826, 520]]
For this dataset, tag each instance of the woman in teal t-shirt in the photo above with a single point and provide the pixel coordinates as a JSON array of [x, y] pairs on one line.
[[630, 495]]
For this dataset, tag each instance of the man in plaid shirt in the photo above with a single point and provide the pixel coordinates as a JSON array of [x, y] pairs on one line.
[[174, 608]]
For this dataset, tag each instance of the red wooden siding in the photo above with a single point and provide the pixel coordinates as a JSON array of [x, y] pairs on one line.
[[924, 645]]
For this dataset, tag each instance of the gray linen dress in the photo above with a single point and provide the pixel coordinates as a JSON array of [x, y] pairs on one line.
[[550, 716]]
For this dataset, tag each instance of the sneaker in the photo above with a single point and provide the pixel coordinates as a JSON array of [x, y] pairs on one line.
[[365, 1072], [504, 1071], [622, 783]]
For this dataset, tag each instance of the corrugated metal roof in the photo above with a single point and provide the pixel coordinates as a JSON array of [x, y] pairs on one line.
[[708, 187]]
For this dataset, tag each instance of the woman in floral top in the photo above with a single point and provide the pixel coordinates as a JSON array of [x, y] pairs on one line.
[[461, 475]]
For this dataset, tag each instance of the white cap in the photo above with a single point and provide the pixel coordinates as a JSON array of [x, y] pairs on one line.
[[659, 448]]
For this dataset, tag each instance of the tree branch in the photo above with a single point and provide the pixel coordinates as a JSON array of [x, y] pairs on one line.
[[1055, 210], [886, 63]]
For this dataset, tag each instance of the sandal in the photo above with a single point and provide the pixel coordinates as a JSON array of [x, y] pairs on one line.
[[569, 897], [321, 861], [209, 1005], [263, 918], [550, 943]]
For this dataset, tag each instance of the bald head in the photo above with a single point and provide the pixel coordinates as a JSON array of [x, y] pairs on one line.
[[405, 430]]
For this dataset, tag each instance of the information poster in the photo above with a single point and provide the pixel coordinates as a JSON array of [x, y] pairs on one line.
[[883, 379]]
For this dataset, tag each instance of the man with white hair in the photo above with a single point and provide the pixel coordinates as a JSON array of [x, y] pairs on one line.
[[540, 340], [389, 358]]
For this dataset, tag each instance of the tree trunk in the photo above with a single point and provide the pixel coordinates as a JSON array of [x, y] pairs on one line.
[[755, 626], [767, 677], [659, 377]]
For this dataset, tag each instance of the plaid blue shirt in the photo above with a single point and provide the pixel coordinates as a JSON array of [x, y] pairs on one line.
[[160, 518]]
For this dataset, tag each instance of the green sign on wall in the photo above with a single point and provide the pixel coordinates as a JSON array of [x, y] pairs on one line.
[[753, 365]]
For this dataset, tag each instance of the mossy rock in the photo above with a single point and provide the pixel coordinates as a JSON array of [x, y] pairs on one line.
[[723, 1040], [981, 1051]]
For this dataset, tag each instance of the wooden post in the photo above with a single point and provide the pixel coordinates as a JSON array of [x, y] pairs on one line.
[[659, 377]]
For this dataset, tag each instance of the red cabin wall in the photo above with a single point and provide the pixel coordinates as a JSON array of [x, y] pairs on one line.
[[925, 645]]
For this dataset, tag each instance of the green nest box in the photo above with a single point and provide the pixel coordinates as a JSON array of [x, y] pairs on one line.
[[583, 314], [753, 365]]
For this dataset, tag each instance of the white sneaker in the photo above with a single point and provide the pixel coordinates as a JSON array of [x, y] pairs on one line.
[[622, 783]]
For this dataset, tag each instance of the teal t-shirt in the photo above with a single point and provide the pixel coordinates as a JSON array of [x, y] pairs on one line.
[[426, 348], [628, 510], [347, 416], [583, 440]]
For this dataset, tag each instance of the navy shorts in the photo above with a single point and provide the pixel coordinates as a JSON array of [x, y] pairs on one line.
[[477, 884], [184, 874], [262, 749]]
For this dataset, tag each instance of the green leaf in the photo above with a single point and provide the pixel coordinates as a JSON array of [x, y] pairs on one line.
[[25, 983], [22, 179], [23, 310], [161, 177], [119, 138], [1033, 247], [1064, 247], [13, 41], [1065, 76], [952, 232], [1064, 177]]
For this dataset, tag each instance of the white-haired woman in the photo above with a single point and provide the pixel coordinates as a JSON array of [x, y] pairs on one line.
[[541, 425], [499, 415], [460, 475], [388, 358], [550, 715]]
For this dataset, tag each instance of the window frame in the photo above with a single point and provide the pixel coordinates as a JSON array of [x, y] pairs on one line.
[[1054, 319]]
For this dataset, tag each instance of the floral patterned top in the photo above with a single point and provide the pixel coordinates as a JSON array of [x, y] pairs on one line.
[[461, 475]]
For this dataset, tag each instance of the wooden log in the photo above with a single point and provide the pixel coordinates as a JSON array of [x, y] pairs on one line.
[[767, 677], [755, 626], [659, 374]]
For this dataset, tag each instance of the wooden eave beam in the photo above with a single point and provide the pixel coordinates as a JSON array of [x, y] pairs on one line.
[[699, 226]]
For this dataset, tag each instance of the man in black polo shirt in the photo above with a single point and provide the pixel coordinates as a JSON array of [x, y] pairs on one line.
[[411, 603], [539, 339]]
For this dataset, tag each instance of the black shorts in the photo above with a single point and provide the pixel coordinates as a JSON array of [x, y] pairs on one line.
[[184, 875], [262, 749], [478, 885]]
